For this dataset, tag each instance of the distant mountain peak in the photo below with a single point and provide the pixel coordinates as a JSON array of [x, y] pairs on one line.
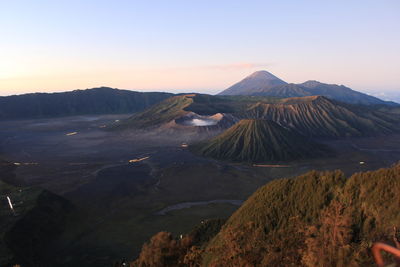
[[311, 83], [264, 83], [262, 74], [255, 82]]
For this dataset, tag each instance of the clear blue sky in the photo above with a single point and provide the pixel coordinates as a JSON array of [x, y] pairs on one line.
[[196, 45]]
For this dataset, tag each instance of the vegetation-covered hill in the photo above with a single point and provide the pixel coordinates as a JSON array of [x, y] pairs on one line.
[[257, 140], [317, 219], [101, 100], [263, 83]]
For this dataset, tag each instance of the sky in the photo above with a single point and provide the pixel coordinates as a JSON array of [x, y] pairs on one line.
[[203, 46]]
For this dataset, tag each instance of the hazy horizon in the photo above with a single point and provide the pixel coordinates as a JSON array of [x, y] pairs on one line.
[[391, 95], [204, 47]]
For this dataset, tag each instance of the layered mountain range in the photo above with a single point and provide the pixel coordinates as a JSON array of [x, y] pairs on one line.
[[278, 121], [267, 129], [312, 116], [105, 100], [263, 83]]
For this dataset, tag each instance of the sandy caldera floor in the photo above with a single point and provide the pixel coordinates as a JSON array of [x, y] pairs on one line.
[[118, 201]]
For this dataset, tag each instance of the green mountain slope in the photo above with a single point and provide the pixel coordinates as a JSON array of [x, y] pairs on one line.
[[317, 219], [363, 209], [318, 116], [101, 100], [258, 141]]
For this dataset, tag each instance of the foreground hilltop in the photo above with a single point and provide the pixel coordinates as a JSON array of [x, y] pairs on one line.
[[257, 140], [317, 219], [264, 83]]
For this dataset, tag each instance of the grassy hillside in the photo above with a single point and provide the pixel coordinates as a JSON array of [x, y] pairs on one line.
[[317, 219], [101, 100], [258, 141]]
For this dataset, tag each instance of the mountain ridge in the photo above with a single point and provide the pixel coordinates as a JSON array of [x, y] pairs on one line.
[[318, 116], [101, 100], [311, 116], [252, 85]]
